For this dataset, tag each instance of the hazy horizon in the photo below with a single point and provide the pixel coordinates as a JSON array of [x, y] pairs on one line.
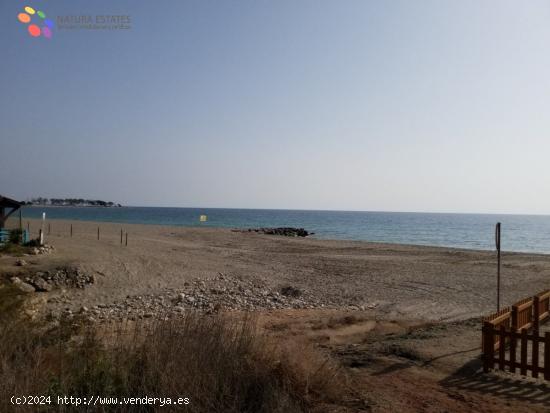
[[426, 106], [291, 209]]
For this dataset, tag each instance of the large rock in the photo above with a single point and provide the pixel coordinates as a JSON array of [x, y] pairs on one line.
[[41, 284], [22, 286], [284, 231]]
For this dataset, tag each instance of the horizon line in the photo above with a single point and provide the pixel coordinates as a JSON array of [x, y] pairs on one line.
[[303, 210]]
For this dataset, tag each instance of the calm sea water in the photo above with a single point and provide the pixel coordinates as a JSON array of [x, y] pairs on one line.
[[527, 233]]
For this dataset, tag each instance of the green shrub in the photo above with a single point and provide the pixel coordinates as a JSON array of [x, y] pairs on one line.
[[16, 236], [33, 243]]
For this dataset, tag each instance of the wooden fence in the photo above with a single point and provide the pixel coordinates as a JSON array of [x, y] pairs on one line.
[[498, 319], [68, 229], [5, 236], [503, 330]]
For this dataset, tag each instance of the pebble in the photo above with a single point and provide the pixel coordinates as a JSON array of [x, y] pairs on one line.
[[226, 292]]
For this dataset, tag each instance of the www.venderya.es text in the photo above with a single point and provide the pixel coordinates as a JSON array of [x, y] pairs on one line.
[[95, 400]]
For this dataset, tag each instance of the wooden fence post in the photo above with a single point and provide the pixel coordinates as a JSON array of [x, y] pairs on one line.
[[489, 347], [535, 355], [120, 236], [515, 326], [536, 316], [523, 362], [547, 356], [502, 347], [71, 230], [513, 342], [126, 239], [49, 228], [484, 350], [98, 233], [536, 313]]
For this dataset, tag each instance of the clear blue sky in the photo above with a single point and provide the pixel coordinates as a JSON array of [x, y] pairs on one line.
[[349, 105]]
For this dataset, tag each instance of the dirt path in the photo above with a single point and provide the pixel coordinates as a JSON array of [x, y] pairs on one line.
[[410, 366]]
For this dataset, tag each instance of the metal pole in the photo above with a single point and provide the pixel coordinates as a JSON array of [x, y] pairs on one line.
[[42, 228], [497, 242]]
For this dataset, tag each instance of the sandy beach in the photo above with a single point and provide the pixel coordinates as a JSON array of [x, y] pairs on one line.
[[396, 318], [396, 281]]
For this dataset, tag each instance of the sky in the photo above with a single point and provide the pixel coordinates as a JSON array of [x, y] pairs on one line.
[[434, 106]]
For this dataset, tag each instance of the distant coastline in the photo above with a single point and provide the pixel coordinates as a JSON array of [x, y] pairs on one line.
[[70, 202], [73, 206]]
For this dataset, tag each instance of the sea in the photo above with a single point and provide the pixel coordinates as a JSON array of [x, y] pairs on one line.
[[521, 233]]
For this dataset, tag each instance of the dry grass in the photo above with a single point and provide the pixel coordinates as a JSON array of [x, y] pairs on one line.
[[222, 364], [14, 249]]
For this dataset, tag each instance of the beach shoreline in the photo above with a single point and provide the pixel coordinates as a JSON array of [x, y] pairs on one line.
[[110, 225], [465, 231], [401, 321], [395, 280]]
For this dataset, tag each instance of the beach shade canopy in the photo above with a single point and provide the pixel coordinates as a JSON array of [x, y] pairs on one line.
[[7, 207]]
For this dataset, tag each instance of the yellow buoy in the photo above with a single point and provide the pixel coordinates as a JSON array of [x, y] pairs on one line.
[[203, 218]]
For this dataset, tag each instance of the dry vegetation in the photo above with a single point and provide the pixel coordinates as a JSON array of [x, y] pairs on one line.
[[221, 363]]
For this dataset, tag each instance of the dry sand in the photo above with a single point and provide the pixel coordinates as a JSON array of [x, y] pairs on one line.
[[397, 318], [399, 281]]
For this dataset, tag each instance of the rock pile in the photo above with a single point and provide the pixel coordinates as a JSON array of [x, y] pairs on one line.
[[284, 231], [224, 293], [44, 249], [48, 280]]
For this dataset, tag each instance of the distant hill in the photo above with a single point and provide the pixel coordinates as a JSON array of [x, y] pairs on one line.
[[70, 202]]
